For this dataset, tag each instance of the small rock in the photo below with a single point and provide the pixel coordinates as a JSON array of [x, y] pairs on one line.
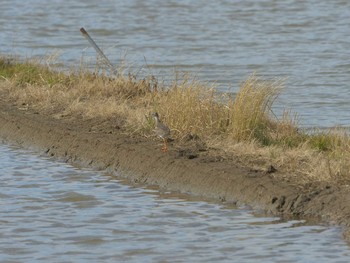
[[271, 169], [192, 156], [187, 154]]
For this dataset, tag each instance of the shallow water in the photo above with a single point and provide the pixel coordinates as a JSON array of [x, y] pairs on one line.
[[53, 212], [220, 41]]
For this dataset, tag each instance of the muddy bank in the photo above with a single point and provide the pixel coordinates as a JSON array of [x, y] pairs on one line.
[[186, 168]]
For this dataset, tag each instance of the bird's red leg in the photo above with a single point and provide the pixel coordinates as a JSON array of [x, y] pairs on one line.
[[165, 147]]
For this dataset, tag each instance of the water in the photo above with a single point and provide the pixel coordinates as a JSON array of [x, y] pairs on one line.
[[53, 212], [220, 41]]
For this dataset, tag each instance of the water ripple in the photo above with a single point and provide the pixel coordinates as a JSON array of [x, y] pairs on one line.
[[52, 212]]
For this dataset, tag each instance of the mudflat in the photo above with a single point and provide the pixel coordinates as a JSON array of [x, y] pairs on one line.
[[187, 167]]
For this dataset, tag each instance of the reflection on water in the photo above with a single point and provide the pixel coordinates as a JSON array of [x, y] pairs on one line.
[[221, 41], [52, 212]]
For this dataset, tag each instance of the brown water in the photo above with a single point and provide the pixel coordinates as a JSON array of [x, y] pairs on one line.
[[53, 212], [220, 41]]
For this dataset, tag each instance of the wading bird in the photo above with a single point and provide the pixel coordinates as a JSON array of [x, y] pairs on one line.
[[162, 131]]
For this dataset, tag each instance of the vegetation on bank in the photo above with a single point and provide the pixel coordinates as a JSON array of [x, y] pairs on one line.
[[242, 125]]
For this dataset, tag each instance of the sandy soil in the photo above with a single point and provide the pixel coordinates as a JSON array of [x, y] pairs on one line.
[[189, 168]]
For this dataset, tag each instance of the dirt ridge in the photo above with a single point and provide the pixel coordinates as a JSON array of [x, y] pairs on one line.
[[140, 160]]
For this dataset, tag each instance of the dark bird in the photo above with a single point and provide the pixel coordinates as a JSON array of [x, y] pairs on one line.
[[162, 131]]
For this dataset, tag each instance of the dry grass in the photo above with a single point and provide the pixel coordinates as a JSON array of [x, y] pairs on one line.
[[190, 107], [243, 126], [251, 109], [77, 93]]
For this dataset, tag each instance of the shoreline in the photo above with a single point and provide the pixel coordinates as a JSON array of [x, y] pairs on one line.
[[103, 144]]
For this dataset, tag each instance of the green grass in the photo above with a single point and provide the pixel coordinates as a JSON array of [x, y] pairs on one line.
[[29, 72]]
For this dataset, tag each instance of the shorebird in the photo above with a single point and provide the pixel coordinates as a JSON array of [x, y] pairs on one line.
[[162, 131]]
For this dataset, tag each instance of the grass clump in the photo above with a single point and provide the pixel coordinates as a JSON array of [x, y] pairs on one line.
[[250, 111], [29, 72], [242, 125], [330, 140], [191, 107]]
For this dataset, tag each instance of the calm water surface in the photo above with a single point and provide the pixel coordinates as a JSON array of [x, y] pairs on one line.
[[53, 212], [220, 41]]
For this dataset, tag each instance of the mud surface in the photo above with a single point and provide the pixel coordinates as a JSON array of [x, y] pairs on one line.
[[190, 167]]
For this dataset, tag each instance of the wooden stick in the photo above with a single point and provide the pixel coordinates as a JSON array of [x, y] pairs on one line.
[[98, 50]]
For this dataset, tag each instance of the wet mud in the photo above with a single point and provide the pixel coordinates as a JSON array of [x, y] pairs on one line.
[[188, 167]]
